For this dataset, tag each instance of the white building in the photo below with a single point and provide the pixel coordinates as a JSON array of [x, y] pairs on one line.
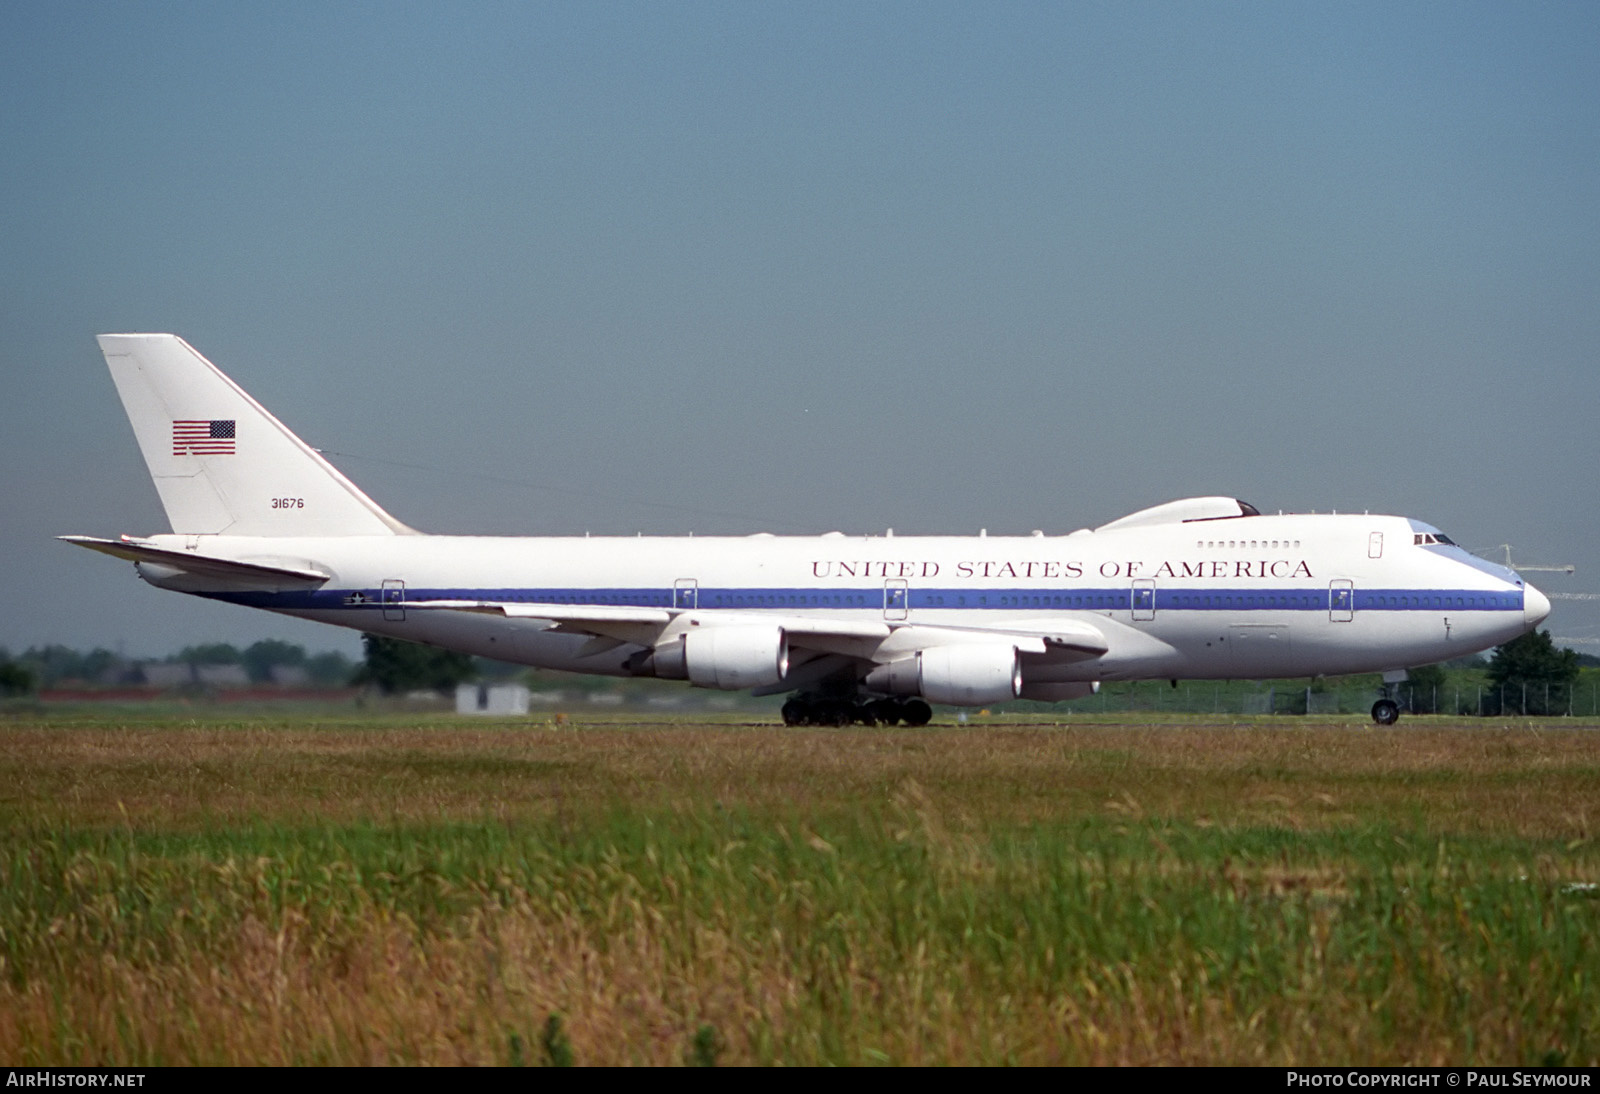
[[491, 699]]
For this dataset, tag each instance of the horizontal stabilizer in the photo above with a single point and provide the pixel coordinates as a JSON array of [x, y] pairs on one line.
[[200, 565]]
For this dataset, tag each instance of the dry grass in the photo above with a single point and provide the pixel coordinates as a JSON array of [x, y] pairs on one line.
[[371, 891], [1529, 782]]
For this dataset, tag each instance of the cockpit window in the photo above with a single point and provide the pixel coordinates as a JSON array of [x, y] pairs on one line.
[[1423, 538]]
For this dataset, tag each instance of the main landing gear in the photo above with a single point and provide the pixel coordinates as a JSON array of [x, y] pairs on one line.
[[806, 710], [1386, 712]]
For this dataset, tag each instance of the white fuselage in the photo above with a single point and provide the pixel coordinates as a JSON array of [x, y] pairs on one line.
[[1250, 597], [860, 628]]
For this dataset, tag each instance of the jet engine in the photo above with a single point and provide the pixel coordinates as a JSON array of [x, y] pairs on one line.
[[962, 675], [731, 658]]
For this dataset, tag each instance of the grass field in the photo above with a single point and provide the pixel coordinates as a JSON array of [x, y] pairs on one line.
[[228, 888]]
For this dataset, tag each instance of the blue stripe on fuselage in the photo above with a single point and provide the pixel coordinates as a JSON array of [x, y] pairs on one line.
[[873, 598]]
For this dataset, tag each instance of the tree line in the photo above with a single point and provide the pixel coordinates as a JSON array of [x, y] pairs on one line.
[[1528, 675], [388, 664], [57, 665]]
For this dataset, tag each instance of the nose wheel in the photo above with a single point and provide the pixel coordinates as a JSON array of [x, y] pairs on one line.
[[1386, 712]]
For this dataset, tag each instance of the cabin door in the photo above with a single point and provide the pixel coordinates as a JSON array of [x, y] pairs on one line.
[[394, 599], [896, 598], [1144, 600], [686, 593], [1341, 600]]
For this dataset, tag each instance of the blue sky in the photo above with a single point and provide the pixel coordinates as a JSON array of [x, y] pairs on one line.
[[555, 268]]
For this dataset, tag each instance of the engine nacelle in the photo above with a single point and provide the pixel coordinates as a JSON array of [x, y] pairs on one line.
[[969, 675], [731, 658]]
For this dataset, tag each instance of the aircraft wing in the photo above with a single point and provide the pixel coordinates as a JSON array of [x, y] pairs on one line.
[[870, 640], [1059, 636], [645, 625], [206, 566], [576, 614]]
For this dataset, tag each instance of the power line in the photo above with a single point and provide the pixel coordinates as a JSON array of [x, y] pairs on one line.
[[552, 488]]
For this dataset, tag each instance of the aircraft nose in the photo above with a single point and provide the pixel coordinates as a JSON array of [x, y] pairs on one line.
[[1535, 606]]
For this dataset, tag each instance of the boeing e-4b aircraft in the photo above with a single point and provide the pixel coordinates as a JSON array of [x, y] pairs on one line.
[[869, 629]]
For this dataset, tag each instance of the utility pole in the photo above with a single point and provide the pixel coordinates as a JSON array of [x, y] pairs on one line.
[[1566, 569]]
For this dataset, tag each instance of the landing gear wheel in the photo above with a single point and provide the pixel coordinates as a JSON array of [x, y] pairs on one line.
[[885, 711], [1386, 712], [842, 712], [832, 712]]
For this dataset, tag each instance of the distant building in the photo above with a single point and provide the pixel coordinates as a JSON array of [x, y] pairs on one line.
[[222, 676], [289, 676], [502, 699], [162, 674]]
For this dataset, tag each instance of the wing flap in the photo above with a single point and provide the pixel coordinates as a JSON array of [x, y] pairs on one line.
[[834, 628], [1065, 639], [574, 614], [1072, 635], [604, 613]]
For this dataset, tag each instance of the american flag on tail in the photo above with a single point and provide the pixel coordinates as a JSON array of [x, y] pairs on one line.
[[207, 438]]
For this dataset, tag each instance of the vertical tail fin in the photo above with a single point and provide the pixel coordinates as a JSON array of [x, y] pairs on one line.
[[221, 462]]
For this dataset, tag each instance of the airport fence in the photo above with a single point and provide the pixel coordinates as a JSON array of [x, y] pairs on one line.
[[1289, 697], [1460, 694]]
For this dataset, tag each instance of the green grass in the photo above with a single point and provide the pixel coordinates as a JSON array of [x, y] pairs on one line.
[[439, 890]]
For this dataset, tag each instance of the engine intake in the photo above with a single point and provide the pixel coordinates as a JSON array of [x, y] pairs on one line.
[[730, 658], [962, 675]]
